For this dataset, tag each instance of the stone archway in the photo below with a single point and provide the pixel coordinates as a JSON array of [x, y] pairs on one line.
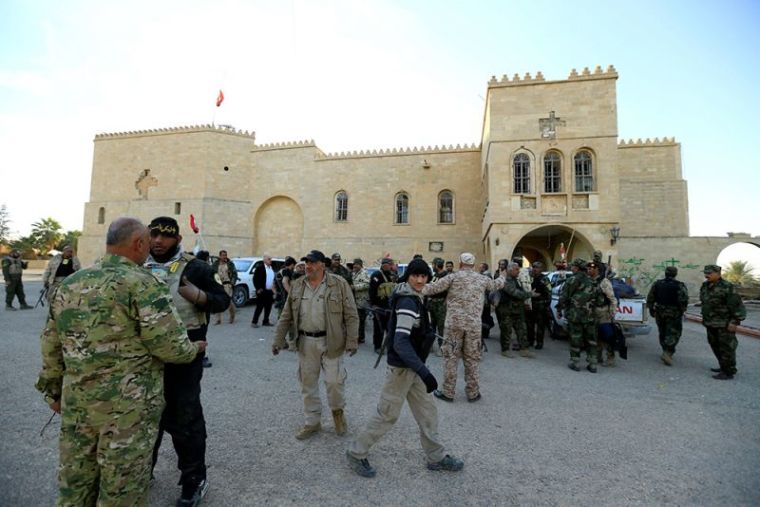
[[278, 228], [544, 243]]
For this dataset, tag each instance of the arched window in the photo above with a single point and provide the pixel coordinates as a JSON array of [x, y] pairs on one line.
[[446, 207], [402, 208], [552, 172], [341, 206], [521, 165], [101, 215], [584, 172]]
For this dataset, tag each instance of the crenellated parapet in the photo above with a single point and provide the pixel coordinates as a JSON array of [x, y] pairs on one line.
[[585, 74], [287, 145], [223, 129], [638, 143], [398, 152]]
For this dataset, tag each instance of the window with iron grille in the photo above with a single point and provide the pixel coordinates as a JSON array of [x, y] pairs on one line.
[[552, 172], [341, 207], [446, 207], [402, 209], [584, 173], [521, 165]]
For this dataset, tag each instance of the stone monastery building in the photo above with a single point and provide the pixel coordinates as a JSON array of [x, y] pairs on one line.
[[549, 169]]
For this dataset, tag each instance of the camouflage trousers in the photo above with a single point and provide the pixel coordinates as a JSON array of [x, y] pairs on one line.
[[723, 344], [14, 288], [582, 336], [462, 342], [401, 384], [669, 329], [438, 315], [537, 320], [509, 321], [107, 464]]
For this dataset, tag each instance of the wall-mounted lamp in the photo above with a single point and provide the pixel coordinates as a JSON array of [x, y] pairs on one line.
[[425, 164], [614, 235]]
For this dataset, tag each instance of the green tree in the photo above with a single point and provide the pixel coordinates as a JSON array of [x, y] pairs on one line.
[[740, 273], [5, 228], [26, 246], [70, 238], [46, 234]]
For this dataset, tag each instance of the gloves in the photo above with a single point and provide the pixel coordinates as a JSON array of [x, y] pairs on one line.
[[192, 293], [430, 382]]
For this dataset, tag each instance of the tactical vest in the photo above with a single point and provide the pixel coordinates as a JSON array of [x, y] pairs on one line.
[[171, 274], [15, 268], [666, 292]]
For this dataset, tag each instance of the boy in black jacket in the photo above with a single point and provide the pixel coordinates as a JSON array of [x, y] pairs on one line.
[[409, 340]]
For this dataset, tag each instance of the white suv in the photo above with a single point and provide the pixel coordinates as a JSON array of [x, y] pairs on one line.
[[243, 291]]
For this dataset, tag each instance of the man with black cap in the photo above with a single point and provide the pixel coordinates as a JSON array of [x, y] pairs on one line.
[[722, 311], [407, 378], [321, 308], [195, 289], [381, 285], [667, 301], [339, 269]]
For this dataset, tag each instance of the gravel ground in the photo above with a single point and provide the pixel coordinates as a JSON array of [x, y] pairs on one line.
[[638, 434]]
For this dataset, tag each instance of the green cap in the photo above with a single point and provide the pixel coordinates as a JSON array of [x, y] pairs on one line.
[[712, 268], [579, 263]]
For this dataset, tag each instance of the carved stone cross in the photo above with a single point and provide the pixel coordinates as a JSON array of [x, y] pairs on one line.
[[144, 182], [548, 126]]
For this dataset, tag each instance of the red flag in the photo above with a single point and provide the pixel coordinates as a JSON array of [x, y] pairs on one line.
[[220, 98], [194, 227]]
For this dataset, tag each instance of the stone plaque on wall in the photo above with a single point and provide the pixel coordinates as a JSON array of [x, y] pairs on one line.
[[580, 201], [527, 202], [554, 204]]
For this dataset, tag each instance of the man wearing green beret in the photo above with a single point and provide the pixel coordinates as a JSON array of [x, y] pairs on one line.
[[576, 301], [722, 311]]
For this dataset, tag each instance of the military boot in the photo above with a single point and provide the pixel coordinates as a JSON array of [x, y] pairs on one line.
[[667, 358], [507, 353], [340, 422], [307, 431], [10, 308], [25, 306], [527, 353]]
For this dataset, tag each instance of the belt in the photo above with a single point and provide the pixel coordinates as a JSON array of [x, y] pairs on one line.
[[316, 334], [226, 283]]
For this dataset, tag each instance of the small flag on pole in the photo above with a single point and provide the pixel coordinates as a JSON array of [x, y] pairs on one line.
[[220, 98], [194, 227]]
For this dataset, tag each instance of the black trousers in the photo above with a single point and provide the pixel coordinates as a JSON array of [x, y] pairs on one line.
[[183, 419], [362, 319], [264, 301]]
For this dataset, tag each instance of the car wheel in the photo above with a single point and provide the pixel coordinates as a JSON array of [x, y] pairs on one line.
[[240, 296]]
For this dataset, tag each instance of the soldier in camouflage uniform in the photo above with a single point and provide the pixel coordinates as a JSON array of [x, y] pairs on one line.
[[537, 318], [361, 294], [667, 301], [13, 268], [577, 299], [464, 305], [437, 305], [511, 313], [605, 309], [722, 311], [109, 331]]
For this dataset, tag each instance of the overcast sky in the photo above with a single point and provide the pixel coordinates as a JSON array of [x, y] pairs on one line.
[[357, 75]]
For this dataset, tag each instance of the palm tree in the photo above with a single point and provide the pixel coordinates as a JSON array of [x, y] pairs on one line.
[[740, 273], [46, 234]]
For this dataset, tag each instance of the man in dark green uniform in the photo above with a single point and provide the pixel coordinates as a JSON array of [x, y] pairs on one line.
[[13, 267], [511, 313], [667, 301], [576, 301], [722, 311]]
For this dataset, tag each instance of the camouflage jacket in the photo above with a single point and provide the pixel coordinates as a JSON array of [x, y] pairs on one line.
[[464, 302], [578, 297], [513, 296], [361, 287], [606, 305], [668, 297], [109, 331], [13, 267], [721, 305], [231, 271], [49, 276]]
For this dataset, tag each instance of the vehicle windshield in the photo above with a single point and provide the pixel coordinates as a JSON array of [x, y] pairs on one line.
[[241, 265]]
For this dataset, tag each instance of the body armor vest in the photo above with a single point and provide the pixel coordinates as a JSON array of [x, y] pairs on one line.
[[666, 292], [171, 274]]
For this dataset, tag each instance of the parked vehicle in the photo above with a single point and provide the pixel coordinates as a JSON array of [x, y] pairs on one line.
[[631, 313], [244, 291]]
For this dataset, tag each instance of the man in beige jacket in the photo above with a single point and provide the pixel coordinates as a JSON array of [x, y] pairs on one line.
[[321, 308], [59, 267]]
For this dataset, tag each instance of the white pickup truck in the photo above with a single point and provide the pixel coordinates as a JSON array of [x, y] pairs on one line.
[[631, 313]]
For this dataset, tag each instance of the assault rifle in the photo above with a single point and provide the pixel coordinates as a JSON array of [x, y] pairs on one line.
[[40, 300]]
